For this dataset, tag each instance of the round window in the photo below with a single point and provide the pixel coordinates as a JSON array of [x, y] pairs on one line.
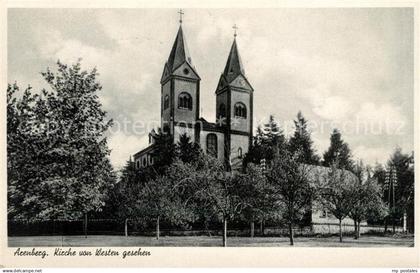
[[186, 71]]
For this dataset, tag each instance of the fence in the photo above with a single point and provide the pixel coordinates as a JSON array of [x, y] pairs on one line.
[[332, 228], [116, 227], [113, 227], [56, 227]]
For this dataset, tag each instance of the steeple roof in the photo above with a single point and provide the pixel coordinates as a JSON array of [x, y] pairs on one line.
[[234, 72], [234, 65], [179, 53]]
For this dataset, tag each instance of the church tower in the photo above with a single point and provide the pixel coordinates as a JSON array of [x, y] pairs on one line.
[[180, 91], [234, 107], [230, 138]]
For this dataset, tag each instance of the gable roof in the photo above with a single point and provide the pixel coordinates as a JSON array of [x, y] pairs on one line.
[[209, 126], [234, 69], [319, 174], [179, 53], [234, 65]]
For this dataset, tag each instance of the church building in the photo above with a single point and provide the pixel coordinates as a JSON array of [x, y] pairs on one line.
[[230, 137]]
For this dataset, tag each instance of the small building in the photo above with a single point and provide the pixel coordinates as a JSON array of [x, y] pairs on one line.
[[322, 220]]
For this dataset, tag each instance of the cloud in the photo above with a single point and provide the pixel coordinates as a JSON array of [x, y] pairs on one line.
[[383, 119], [327, 105], [334, 107], [125, 87], [371, 155]]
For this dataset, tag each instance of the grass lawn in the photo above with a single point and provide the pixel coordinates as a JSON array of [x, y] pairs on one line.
[[186, 241]]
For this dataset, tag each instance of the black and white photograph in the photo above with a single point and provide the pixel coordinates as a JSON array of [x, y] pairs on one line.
[[210, 127]]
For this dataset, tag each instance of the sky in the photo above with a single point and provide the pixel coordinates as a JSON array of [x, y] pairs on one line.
[[345, 68]]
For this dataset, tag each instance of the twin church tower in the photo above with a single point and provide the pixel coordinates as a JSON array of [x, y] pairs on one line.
[[230, 137]]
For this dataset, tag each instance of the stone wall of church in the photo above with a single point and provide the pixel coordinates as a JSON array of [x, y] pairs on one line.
[[239, 147], [143, 160], [185, 115], [221, 99], [241, 124], [166, 113]]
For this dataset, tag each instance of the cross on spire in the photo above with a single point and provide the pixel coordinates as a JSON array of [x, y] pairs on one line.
[[235, 28], [181, 12]]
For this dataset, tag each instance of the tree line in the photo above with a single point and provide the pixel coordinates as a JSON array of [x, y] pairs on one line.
[[280, 181], [58, 168]]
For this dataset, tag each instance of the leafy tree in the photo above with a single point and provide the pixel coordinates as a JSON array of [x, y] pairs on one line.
[[360, 197], [130, 175], [187, 150], [259, 136], [268, 142], [379, 174], [404, 190], [338, 152], [155, 201], [164, 151], [222, 193], [167, 197], [272, 135], [290, 185], [366, 200], [121, 202], [20, 147], [256, 191], [336, 193], [187, 190], [256, 154], [302, 143], [62, 169]]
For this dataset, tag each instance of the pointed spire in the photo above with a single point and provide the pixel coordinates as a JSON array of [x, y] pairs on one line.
[[234, 65], [179, 53], [179, 56], [233, 69]]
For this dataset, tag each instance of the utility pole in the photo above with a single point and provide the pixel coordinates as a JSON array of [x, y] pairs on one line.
[[390, 183]]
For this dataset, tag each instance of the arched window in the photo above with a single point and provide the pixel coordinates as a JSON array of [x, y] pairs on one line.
[[212, 145], [222, 111], [185, 101], [166, 102], [138, 164], [144, 161], [239, 152], [240, 110]]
